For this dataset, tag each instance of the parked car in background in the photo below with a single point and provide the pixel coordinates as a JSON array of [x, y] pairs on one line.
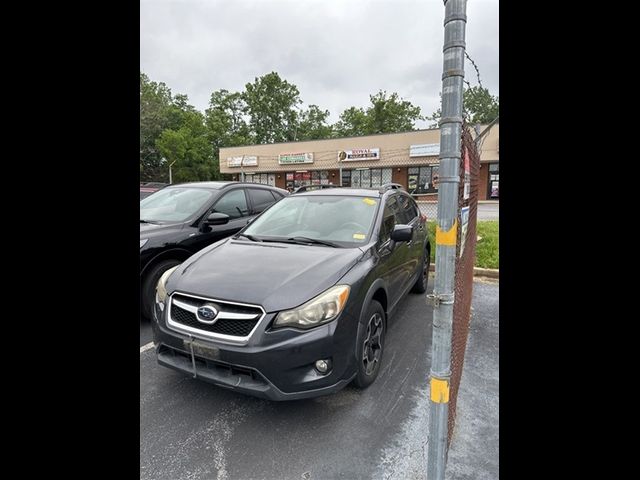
[[296, 304], [147, 189], [179, 220]]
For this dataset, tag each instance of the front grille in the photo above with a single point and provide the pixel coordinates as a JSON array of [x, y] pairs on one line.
[[223, 326]]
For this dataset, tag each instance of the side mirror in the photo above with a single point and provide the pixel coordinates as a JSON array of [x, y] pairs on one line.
[[217, 219], [402, 233]]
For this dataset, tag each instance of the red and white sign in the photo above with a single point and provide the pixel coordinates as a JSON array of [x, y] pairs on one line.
[[467, 175]]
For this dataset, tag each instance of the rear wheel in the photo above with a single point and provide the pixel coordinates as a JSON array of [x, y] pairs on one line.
[[423, 280], [370, 344], [150, 282]]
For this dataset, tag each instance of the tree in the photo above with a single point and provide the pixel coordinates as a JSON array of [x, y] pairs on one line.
[[313, 124], [187, 144], [386, 114], [353, 122], [155, 100], [478, 106], [271, 105]]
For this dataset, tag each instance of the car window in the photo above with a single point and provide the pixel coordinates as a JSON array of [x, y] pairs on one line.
[[233, 203], [260, 199], [407, 210], [388, 219], [345, 220], [174, 204]]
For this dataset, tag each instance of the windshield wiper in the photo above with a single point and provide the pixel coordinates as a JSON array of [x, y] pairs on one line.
[[307, 240], [149, 221], [250, 237]]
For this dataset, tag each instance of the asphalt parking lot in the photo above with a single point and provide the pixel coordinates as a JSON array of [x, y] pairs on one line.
[[193, 430]]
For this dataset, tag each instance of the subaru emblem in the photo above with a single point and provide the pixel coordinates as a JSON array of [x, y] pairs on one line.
[[207, 314]]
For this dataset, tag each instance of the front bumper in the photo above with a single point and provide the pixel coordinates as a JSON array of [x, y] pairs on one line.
[[277, 365]]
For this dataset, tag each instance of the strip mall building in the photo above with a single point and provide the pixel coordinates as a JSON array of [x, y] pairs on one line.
[[408, 158]]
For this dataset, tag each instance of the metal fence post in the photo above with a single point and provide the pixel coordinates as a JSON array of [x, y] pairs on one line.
[[446, 233]]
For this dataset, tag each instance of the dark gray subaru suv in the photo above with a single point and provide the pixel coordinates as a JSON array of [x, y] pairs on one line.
[[296, 304]]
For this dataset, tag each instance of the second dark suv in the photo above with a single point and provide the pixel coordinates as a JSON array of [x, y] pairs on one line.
[[181, 219]]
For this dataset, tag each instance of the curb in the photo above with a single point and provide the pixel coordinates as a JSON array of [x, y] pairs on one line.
[[477, 271]]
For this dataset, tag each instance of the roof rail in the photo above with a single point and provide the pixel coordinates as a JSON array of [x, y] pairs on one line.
[[390, 186]]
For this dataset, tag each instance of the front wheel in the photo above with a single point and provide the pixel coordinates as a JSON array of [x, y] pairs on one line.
[[369, 345], [149, 285]]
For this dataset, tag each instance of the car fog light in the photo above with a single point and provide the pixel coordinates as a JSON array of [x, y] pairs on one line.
[[323, 366]]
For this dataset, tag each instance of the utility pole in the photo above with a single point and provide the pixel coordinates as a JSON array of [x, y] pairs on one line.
[[455, 19], [170, 176]]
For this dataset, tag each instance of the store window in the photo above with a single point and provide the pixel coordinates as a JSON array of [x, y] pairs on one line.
[[494, 177], [263, 178], [369, 177], [423, 179], [346, 178], [320, 177], [301, 179]]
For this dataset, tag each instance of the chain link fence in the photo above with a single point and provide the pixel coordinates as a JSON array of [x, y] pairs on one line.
[[465, 260]]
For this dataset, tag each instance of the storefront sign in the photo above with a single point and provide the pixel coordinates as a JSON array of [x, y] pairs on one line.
[[359, 154], [424, 150], [246, 161], [464, 223], [295, 158]]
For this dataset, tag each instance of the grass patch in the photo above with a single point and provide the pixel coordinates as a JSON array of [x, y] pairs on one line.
[[487, 248]]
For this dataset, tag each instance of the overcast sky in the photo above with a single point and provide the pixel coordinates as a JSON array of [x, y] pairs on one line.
[[337, 52]]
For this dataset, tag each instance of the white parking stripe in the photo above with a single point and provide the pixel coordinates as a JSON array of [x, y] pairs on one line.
[[146, 347]]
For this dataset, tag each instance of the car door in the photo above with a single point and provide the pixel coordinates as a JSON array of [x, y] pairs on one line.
[[233, 203], [408, 214], [392, 254]]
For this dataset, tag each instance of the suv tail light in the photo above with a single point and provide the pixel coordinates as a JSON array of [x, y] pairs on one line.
[[423, 217]]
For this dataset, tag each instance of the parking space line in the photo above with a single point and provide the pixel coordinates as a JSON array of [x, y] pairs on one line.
[[146, 347]]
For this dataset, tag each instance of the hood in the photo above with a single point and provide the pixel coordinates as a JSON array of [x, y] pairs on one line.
[[275, 275]]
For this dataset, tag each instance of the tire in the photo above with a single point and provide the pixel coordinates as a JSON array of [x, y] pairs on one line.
[[423, 280], [149, 284], [369, 358]]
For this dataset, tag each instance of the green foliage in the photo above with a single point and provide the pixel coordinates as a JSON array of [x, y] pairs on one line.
[[487, 247], [188, 146], [479, 106], [172, 130], [267, 111], [386, 114], [271, 104], [313, 124], [353, 122], [155, 99]]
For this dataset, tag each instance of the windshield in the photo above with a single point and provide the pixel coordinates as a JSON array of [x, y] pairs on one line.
[[346, 221], [173, 204]]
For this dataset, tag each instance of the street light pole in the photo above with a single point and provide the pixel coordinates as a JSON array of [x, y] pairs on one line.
[[170, 177], [455, 20]]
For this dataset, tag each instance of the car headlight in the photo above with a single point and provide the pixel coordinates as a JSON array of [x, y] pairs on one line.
[[322, 309], [143, 242], [161, 289]]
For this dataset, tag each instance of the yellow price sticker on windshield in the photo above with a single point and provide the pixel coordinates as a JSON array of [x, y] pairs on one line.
[[369, 201], [359, 236]]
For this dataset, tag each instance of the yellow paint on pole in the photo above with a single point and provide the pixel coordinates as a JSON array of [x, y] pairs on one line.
[[439, 390], [449, 237]]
